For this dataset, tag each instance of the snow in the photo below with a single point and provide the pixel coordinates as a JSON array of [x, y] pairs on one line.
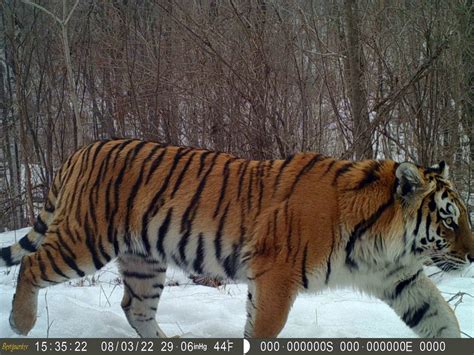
[[90, 307]]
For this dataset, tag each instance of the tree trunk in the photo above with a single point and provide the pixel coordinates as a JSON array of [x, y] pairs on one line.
[[357, 93], [72, 88]]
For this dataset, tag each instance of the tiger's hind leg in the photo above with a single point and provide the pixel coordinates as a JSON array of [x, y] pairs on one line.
[[143, 281], [62, 256]]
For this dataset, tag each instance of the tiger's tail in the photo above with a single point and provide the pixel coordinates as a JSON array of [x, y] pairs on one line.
[[29, 243]]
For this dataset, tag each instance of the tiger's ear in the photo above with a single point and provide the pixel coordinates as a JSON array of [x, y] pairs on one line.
[[410, 180], [441, 169]]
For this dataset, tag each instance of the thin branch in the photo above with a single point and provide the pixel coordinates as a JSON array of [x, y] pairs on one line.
[[466, 334], [70, 13], [49, 324], [57, 19]]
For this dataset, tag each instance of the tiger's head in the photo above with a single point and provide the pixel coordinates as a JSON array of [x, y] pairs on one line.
[[441, 224]]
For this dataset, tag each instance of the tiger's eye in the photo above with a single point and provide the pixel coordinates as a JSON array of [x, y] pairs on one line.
[[449, 220]]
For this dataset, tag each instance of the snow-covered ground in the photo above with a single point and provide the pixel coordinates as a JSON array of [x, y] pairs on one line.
[[90, 307]]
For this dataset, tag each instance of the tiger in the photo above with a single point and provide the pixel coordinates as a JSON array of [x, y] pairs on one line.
[[302, 224]]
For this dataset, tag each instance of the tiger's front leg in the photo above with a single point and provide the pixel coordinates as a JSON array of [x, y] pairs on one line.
[[420, 305], [271, 293]]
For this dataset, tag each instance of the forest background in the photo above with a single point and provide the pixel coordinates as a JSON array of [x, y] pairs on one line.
[[258, 78]]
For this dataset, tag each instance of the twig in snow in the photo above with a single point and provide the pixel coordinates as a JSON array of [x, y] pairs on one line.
[[466, 334], [47, 315], [460, 295], [102, 289], [180, 329]]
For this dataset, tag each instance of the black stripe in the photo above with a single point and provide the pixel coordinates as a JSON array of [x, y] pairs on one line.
[[92, 211], [176, 260], [428, 223], [179, 180], [152, 296], [26, 244], [90, 245], [6, 255], [78, 200], [40, 227], [403, 284], [130, 205], [249, 190], [71, 263], [63, 243], [432, 203], [183, 242], [328, 268], [151, 153], [330, 165], [163, 231], [280, 172], [186, 220], [304, 278], [371, 175], [231, 261], [42, 268], [115, 241], [108, 203], [269, 167], [157, 285], [104, 166], [55, 267], [131, 292], [198, 262], [202, 159], [153, 206], [308, 166], [101, 173], [218, 239], [102, 250], [155, 165], [82, 168], [138, 275], [128, 162], [289, 235], [341, 171], [121, 147], [413, 318], [70, 169], [418, 220], [223, 187], [361, 228], [94, 159], [241, 177]]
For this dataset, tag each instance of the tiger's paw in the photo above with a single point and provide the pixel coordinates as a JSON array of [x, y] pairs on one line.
[[23, 324], [22, 318]]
